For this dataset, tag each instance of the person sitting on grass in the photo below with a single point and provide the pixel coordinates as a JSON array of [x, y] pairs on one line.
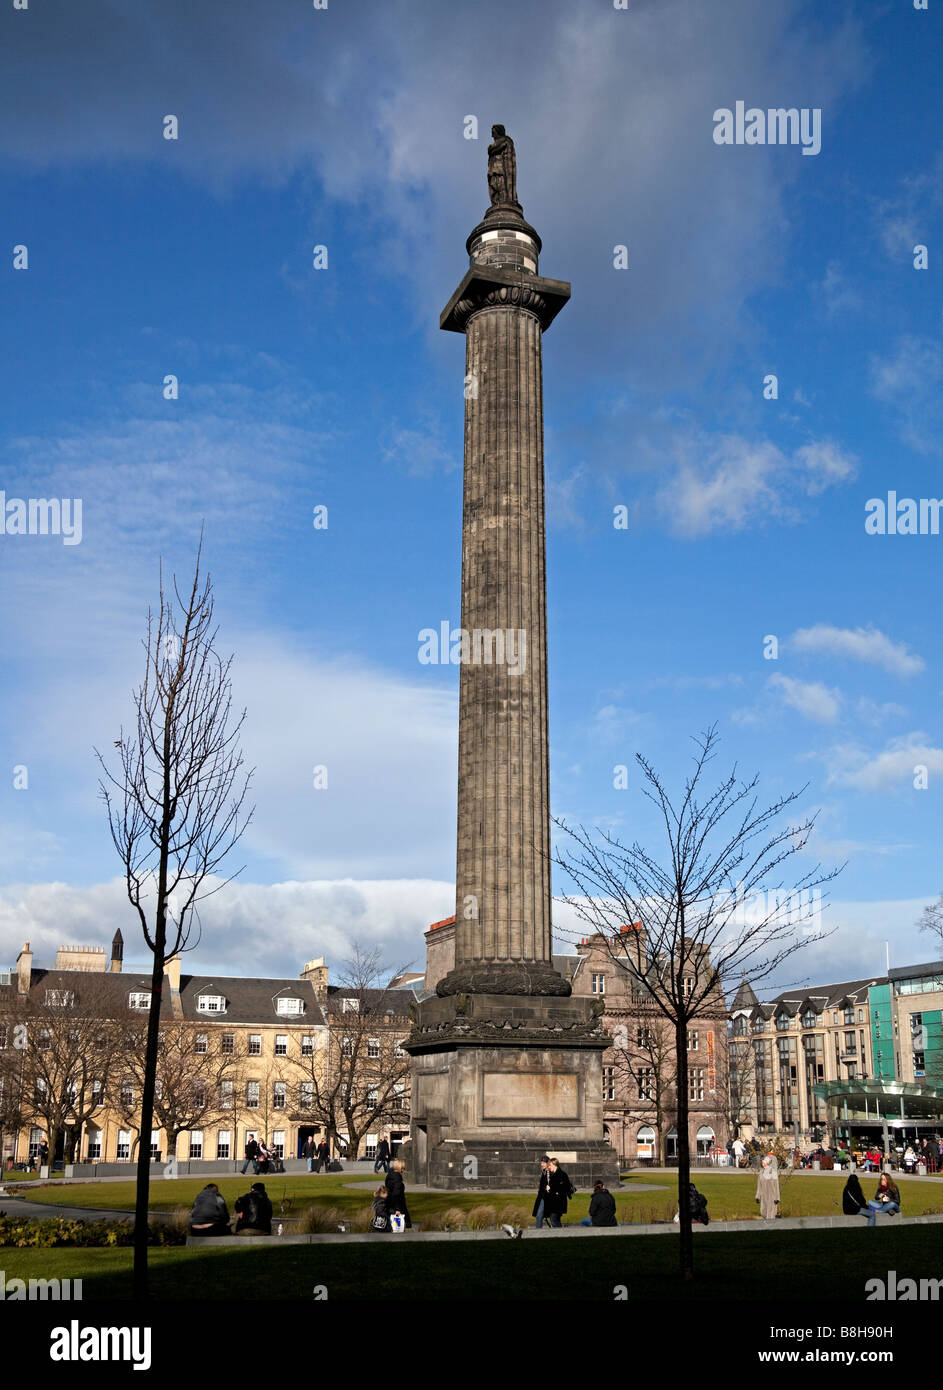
[[210, 1215], [254, 1212], [886, 1200]]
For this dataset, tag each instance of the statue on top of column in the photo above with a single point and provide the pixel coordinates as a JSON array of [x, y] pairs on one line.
[[502, 168]]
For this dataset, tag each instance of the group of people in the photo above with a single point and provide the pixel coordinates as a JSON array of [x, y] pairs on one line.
[[885, 1202], [317, 1152], [210, 1215], [263, 1157]]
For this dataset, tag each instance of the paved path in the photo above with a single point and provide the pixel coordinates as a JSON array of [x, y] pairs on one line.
[[662, 1228]]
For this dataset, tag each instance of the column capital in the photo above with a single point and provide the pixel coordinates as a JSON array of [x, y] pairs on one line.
[[486, 287]]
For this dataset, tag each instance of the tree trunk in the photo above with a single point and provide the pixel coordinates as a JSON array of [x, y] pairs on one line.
[[147, 1114], [684, 1152]]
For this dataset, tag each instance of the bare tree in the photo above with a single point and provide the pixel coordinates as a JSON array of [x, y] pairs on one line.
[[13, 1039], [175, 809], [709, 912], [195, 1078], [70, 1057], [643, 1061], [362, 1083]]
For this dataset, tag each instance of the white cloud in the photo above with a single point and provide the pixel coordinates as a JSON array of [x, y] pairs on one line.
[[839, 296], [865, 644], [730, 482], [893, 769], [248, 928], [811, 699], [909, 379]]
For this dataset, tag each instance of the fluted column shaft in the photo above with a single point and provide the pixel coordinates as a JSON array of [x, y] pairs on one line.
[[503, 859]]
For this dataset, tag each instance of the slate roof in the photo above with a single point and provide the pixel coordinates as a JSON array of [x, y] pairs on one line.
[[249, 1000], [823, 996], [377, 1001]]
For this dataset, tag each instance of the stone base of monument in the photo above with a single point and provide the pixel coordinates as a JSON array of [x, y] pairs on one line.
[[500, 1080]]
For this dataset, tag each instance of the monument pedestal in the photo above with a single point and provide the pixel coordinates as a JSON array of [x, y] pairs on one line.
[[501, 1080]]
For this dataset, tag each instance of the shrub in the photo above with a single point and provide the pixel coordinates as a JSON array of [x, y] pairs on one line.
[[513, 1215], [481, 1218], [319, 1221], [24, 1232]]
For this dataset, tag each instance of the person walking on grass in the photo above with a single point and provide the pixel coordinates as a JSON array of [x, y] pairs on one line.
[[767, 1187], [886, 1200], [559, 1192], [540, 1201]]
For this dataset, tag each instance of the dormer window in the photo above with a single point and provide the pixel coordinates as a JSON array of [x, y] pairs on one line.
[[350, 1006], [808, 1019], [211, 1004], [59, 998], [289, 1004], [139, 999], [782, 1022]]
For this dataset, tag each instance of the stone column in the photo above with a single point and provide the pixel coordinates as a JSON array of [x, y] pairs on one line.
[[503, 930]]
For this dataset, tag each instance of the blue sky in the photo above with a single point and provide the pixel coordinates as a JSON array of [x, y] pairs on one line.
[[298, 387]]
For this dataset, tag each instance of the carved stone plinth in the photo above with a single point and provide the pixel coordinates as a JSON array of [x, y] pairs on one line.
[[502, 1080]]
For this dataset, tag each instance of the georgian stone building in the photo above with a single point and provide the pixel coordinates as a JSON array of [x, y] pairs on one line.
[[240, 1058]]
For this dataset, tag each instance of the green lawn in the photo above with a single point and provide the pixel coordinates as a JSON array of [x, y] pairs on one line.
[[765, 1264], [729, 1197]]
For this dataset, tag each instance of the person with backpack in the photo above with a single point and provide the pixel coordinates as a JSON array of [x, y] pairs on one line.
[[254, 1212]]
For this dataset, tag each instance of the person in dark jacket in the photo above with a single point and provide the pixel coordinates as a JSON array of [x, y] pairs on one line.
[[380, 1220], [210, 1215], [853, 1201], [254, 1212], [540, 1201], [252, 1156], [558, 1193], [309, 1151], [602, 1207], [396, 1190], [324, 1155], [383, 1156], [886, 1200]]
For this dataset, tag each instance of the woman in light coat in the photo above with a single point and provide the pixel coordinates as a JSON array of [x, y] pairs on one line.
[[767, 1187]]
